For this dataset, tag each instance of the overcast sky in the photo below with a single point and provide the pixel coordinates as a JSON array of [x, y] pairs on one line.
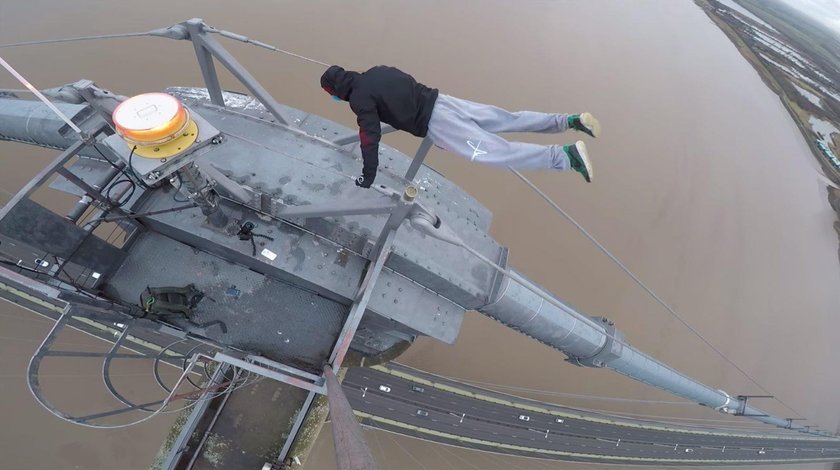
[[825, 11]]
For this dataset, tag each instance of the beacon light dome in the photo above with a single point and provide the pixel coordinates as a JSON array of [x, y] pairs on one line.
[[151, 119]]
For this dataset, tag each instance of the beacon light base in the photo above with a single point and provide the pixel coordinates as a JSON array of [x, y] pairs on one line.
[[161, 166]]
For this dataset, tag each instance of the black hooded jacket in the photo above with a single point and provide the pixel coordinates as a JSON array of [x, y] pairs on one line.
[[384, 94]]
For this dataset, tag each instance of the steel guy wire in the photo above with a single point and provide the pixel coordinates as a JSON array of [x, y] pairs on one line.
[[73, 39], [210, 29], [442, 457], [247, 40], [395, 441], [460, 458], [378, 444]]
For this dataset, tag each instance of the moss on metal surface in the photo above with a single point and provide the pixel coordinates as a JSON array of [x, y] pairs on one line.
[[169, 441]]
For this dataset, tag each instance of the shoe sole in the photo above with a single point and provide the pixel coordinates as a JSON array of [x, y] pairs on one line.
[[591, 123], [581, 149]]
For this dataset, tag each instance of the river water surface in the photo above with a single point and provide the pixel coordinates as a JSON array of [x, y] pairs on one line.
[[703, 186]]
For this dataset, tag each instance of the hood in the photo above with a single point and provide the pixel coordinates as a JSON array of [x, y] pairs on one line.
[[339, 82]]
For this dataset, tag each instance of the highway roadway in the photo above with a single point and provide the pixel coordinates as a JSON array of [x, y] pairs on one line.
[[407, 401]]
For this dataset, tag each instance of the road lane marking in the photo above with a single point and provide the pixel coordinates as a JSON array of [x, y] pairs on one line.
[[519, 448], [564, 414]]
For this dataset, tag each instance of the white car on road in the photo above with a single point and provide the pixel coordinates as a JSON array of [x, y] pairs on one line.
[[384, 388], [525, 418]]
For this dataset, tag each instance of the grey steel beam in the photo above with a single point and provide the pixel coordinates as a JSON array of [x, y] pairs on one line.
[[218, 412], [283, 367], [404, 207], [94, 193], [523, 306], [238, 71], [84, 203], [361, 301], [270, 373], [180, 444], [42, 177], [337, 208], [234, 189], [195, 27], [419, 157], [301, 415]]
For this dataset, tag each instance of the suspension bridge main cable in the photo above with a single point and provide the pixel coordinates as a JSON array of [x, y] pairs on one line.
[[644, 286]]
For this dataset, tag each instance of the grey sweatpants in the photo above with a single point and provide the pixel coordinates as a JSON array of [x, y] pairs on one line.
[[469, 129]]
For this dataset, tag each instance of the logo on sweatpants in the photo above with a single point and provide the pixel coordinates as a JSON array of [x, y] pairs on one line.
[[476, 150]]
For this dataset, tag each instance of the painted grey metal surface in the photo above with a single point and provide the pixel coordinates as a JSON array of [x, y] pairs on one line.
[[524, 311], [588, 344], [226, 58], [266, 369], [360, 302], [31, 122]]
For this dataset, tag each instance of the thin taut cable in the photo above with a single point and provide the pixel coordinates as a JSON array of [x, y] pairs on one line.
[[641, 284], [247, 40], [74, 39]]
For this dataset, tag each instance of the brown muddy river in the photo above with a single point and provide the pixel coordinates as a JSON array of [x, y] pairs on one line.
[[703, 186]]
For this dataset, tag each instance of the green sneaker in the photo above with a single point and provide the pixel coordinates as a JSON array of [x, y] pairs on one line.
[[579, 159], [585, 122]]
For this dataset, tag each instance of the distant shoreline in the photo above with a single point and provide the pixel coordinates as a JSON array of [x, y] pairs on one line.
[[772, 80], [794, 103]]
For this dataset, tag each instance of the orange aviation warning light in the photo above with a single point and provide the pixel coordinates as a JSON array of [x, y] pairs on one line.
[[158, 124]]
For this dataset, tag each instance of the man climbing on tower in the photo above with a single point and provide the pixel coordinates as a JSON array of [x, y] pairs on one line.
[[464, 127]]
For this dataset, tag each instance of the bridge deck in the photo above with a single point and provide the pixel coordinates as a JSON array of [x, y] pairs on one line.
[[491, 422]]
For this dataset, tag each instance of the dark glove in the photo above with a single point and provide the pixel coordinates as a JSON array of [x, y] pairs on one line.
[[364, 181]]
